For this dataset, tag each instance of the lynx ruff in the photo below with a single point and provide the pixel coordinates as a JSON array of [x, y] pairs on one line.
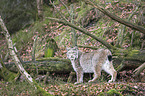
[[93, 62]]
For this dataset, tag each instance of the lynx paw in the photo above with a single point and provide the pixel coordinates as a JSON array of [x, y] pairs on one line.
[[110, 81], [77, 82], [90, 81]]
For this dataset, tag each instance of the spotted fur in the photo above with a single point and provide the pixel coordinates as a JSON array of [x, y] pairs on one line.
[[93, 62]]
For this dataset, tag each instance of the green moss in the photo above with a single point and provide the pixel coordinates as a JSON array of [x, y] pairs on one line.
[[49, 52], [113, 92], [101, 94], [40, 90], [6, 74], [133, 52]]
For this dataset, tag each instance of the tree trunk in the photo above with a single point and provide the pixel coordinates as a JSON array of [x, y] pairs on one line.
[[12, 52], [17, 61]]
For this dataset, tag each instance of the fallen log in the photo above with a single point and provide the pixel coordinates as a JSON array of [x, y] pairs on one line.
[[60, 65], [44, 65], [128, 59], [125, 59]]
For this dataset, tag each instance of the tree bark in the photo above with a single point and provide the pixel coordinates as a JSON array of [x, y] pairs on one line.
[[12, 52], [17, 61], [40, 9], [51, 64], [116, 18]]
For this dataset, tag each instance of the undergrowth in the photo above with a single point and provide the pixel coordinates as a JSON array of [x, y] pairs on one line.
[[58, 85]]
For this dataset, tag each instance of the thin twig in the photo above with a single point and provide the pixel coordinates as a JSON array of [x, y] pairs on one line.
[[58, 11], [34, 47], [33, 53], [65, 7]]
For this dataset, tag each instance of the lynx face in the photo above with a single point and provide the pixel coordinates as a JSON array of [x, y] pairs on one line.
[[93, 62], [72, 53]]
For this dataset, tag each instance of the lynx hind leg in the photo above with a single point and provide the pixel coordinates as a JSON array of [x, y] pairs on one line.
[[79, 73], [108, 67], [97, 73], [97, 62]]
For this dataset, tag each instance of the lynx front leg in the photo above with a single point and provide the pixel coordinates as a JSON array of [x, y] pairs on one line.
[[79, 73]]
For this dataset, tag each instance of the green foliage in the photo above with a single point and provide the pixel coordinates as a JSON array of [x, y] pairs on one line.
[[45, 46], [40, 90], [17, 88], [24, 37], [82, 11], [49, 52], [6, 74], [111, 92], [133, 52], [114, 92]]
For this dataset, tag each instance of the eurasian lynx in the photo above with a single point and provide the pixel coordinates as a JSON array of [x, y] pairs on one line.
[[93, 62]]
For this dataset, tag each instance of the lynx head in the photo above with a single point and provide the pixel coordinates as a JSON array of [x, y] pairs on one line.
[[72, 53]]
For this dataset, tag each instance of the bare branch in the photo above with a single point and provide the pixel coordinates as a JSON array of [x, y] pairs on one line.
[[116, 18], [84, 31], [139, 69]]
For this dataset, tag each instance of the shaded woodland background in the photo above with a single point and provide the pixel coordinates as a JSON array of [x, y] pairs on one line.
[[27, 22]]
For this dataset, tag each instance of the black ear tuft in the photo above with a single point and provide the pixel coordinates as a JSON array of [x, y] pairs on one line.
[[110, 57]]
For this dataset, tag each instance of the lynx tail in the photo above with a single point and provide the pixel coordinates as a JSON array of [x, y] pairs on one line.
[[110, 57]]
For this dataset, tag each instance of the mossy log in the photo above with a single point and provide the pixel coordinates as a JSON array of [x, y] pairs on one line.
[[128, 59], [43, 65], [125, 58]]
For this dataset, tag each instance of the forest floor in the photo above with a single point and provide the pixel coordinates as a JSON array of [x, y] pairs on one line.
[[57, 84]]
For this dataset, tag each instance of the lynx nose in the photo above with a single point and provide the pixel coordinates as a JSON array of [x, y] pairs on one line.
[[72, 57]]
